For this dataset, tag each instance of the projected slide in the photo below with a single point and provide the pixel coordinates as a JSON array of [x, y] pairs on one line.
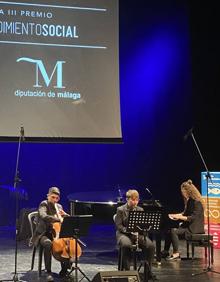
[[59, 72]]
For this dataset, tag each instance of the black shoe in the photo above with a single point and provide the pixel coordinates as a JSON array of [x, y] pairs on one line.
[[164, 254], [63, 272], [152, 276], [49, 277]]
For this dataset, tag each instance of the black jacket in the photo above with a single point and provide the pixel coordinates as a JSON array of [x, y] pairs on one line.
[[121, 219], [195, 216], [46, 217]]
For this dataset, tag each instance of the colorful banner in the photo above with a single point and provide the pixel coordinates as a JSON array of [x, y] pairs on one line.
[[213, 184], [212, 205]]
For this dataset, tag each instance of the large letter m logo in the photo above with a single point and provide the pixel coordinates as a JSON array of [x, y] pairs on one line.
[[40, 68]]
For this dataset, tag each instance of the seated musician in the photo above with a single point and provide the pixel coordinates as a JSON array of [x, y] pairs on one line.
[[49, 212], [192, 219], [126, 240]]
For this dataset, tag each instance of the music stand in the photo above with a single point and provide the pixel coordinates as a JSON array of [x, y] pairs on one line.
[[76, 226], [144, 221]]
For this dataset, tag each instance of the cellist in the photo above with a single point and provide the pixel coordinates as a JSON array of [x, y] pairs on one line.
[[49, 212]]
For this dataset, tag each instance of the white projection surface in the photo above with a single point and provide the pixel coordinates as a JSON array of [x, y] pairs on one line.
[[59, 70]]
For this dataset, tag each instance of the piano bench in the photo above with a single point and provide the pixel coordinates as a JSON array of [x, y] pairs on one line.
[[200, 240]]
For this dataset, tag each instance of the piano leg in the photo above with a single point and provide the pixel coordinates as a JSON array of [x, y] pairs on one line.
[[158, 238], [158, 247]]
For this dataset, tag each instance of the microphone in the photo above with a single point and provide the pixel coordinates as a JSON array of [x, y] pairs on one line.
[[188, 134], [149, 192], [22, 133], [155, 202], [119, 192], [120, 198]]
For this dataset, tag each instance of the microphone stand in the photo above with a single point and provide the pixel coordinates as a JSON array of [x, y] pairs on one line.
[[208, 176], [16, 182]]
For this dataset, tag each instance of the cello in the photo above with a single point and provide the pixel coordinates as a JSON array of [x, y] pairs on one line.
[[64, 249]]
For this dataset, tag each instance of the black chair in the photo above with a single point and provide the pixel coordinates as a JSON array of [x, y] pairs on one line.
[[136, 253], [200, 240], [32, 218]]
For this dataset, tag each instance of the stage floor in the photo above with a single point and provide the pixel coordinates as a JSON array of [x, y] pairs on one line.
[[101, 255]]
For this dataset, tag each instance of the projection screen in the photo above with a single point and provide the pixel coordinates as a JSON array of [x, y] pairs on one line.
[[59, 70]]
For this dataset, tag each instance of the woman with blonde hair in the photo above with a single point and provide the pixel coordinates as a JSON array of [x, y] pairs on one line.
[[192, 219]]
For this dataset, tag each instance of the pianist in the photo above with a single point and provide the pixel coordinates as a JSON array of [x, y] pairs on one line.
[[126, 240], [192, 219]]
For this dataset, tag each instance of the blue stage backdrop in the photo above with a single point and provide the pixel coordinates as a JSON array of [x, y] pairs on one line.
[[155, 93]]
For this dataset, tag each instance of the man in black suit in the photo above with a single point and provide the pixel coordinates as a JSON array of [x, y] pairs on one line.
[[49, 212], [126, 240]]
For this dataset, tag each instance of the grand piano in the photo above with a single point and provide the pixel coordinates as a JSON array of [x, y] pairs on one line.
[[103, 205]]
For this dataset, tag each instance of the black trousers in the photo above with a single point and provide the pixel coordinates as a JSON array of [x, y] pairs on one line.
[[172, 238], [126, 243], [46, 243]]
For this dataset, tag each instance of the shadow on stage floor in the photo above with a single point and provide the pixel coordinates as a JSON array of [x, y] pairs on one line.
[[101, 255]]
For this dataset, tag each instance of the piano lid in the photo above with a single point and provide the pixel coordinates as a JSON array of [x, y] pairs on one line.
[[102, 197]]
